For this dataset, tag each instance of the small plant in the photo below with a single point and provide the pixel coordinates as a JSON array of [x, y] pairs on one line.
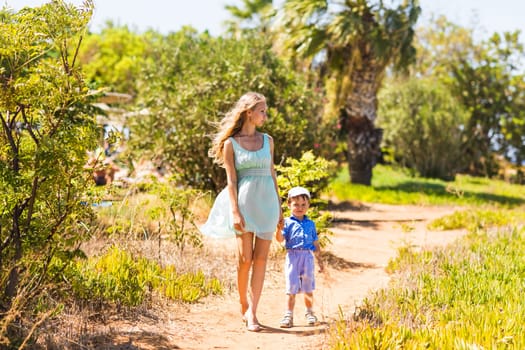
[[313, 173], [180, 203], [116, 277], [160, 209]]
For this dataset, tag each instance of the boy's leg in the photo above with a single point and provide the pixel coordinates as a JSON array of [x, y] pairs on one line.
[[287, 320], [311, 319], [309, 301], [290, 304]]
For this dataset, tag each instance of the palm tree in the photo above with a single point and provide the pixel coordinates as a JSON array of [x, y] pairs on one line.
[[353, 42]]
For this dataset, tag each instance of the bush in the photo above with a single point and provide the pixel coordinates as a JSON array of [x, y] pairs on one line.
[[423, 125], [313, 173], [47, 125]]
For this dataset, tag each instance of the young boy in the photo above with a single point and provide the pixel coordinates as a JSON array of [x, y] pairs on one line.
[[301, 240]]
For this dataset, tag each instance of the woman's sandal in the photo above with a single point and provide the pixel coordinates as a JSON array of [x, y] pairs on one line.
[[251, 326]]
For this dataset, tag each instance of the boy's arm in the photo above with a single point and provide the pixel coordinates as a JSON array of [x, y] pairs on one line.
[[279, 235], [317, 253]]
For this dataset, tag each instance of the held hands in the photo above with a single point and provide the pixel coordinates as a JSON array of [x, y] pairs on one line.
[[280, 223], [238, 223]]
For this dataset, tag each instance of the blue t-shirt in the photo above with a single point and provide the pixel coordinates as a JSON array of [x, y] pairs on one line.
[[299, 234]]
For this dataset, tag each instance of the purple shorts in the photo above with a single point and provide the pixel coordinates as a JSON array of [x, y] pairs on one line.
[[299, 271]]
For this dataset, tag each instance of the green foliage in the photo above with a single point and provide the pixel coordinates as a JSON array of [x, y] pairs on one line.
[[154, 208], [487, 81], [46, 128], [119, 278], [313, 173], [490, 86], [180, 202], [309, 171], [468, 295], [423, 126], [113, 58], [395, 186], [194, 80]]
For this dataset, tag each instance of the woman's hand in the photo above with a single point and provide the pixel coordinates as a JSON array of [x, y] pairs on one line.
[[238, 222], [280, 223]]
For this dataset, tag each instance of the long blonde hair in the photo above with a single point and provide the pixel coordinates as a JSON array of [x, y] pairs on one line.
[[232, 123]]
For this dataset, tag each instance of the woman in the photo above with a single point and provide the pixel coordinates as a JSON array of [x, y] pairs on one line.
[[249, 207]]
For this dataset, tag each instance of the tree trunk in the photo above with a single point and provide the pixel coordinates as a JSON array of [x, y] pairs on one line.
[[357, 121], [363, 151], [11, 288]]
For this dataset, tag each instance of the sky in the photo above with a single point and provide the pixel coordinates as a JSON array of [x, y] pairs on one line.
[[165, 16]]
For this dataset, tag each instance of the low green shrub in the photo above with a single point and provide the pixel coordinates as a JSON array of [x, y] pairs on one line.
[[119, 278], [313, 173]]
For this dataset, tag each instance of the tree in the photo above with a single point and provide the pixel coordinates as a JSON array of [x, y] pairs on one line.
[[194, 80], [256, 14], [46, 129], [491, 88], [114, 58], [487, 80], [354, 42]]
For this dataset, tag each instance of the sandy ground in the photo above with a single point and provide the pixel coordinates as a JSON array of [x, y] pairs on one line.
[[365, 238]]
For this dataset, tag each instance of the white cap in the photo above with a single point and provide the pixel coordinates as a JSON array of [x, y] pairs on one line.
[[297, 191]]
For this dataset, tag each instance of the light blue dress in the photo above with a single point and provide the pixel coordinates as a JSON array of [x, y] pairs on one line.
[[257, 197]]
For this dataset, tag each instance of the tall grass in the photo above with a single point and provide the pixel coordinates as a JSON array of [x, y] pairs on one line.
[[396, 186]]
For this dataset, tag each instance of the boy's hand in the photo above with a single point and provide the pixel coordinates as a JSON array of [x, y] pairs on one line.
[[320, 262], [280, 224], [321, 267]]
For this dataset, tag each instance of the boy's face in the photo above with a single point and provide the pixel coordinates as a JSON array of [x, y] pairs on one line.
[[298, 206]]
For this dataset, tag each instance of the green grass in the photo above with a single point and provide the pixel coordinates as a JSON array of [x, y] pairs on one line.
[[468, 295], [394, 186], [465, 296], [478, 219]]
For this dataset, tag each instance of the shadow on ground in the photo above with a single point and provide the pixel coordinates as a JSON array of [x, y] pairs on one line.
[[342, 264], [119, 341]]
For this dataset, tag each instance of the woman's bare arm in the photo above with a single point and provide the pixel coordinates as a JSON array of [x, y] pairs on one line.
[[231, 175]]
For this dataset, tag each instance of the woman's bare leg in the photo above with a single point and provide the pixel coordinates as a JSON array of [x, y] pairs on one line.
[[260, 257], [244, 263]]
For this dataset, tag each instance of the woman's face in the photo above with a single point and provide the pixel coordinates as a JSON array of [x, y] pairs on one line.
[[258, 115]]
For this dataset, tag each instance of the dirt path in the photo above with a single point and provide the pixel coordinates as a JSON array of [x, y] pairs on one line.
[[364, 241]]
